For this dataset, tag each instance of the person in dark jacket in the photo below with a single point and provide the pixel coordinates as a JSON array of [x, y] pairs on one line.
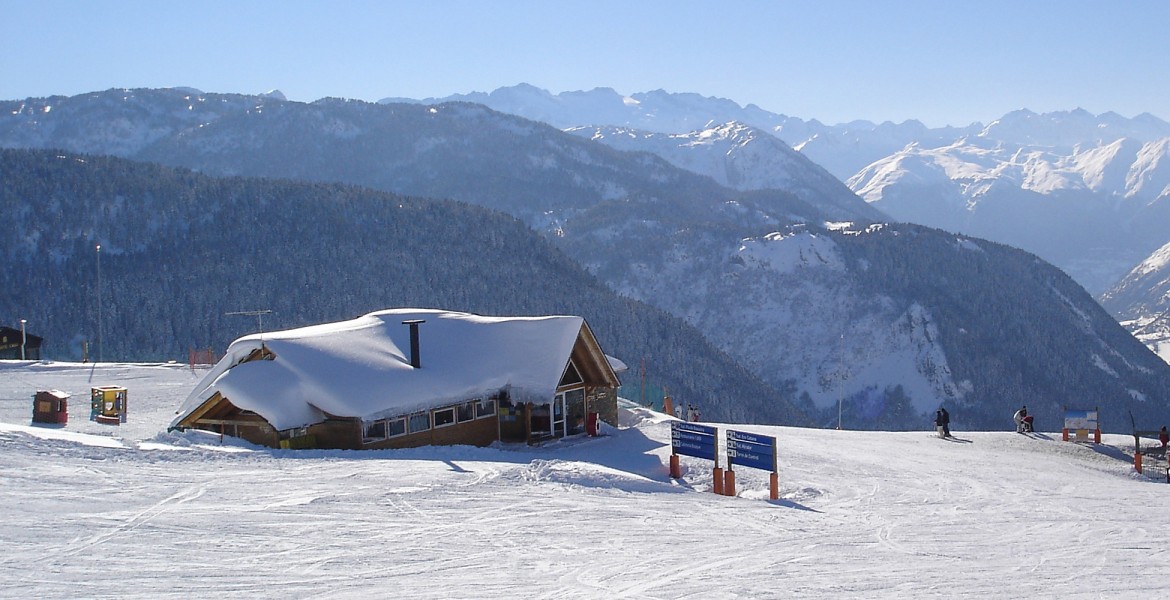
[[946, 419], [940, 423]]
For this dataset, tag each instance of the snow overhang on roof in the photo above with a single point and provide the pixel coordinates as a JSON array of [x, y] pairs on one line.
[[361, 368]]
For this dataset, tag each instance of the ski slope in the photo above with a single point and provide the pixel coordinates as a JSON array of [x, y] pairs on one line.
[[132, 511]]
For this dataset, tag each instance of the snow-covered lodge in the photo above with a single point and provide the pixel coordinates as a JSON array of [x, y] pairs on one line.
[[408, 377]]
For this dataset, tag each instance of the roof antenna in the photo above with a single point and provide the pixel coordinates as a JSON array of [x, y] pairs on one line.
[[259, 314]]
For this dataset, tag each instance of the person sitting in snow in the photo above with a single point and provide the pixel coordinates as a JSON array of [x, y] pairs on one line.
[[1028, 427], [1019, 418]]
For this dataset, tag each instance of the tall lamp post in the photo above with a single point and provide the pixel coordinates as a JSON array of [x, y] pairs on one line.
[[23, 338], [99, 295], [841, 392]]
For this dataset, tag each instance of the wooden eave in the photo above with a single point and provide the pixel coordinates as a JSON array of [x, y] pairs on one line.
[[590, 361], [213, 410]]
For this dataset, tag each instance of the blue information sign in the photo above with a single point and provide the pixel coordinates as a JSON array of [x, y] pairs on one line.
[[751, 450], [694, 440]]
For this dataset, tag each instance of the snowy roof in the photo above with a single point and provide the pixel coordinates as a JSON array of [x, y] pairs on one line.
[[361, 368]]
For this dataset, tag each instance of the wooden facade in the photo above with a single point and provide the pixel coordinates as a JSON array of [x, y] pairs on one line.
[[10, 342]]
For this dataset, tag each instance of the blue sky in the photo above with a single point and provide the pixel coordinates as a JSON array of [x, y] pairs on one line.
[[942, 62]]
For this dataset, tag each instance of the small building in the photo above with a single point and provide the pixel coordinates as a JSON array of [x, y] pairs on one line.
[[408, 377], [10, 342], [51, 406], [107, 404]]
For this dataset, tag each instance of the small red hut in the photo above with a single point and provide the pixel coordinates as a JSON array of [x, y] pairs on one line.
[[51, 406]]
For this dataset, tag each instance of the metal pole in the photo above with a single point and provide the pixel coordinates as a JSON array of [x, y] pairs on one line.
[[841, 392], [259, 314], [23, 338], [99, 295]]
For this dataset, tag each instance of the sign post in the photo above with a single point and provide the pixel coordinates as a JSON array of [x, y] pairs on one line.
[[699, 441], [1081, 422], [751, 450]]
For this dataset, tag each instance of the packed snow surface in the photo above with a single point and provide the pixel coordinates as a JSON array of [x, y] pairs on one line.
[[131, 511]]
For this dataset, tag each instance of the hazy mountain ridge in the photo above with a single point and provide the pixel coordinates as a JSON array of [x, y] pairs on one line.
[[737, 156], [1094, 210], [842, 149]]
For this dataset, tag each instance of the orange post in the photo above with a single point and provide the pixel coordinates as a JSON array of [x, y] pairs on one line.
[[729, 483], [717, 481], [1064, 434], [1137, 461], [1096, 436], [775, 486], [668, 405], [675, 469]]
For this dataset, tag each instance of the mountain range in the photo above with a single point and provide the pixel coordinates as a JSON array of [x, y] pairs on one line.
[[1086, 192], [803, 285]]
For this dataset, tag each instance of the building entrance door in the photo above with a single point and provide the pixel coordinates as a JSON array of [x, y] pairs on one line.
[[558, 416]]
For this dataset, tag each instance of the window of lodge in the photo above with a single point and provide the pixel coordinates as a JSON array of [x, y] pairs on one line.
[[485, 408], [374, 430], [444, 417], [420, 422]]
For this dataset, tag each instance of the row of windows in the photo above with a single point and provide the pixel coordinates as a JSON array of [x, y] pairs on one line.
[[381, 429]]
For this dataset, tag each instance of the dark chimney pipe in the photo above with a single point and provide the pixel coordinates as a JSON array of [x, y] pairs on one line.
[[415, 359]]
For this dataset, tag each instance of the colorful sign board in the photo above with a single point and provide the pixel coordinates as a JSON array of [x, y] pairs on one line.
[[1080, 419], [751, 450], [692, 439]]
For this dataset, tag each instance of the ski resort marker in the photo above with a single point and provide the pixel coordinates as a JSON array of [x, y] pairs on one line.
[[699, 441], [1081, 422], [751, 450]]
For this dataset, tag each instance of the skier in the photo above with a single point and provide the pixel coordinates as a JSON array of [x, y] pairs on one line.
[[946, 418], [940, 423], [1028, 427], [1164, 437], [1019, 418]]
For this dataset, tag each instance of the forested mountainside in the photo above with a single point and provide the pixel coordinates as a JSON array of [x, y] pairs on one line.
[[180, 250], [678, 241], [891, 321], [1142, 299]]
